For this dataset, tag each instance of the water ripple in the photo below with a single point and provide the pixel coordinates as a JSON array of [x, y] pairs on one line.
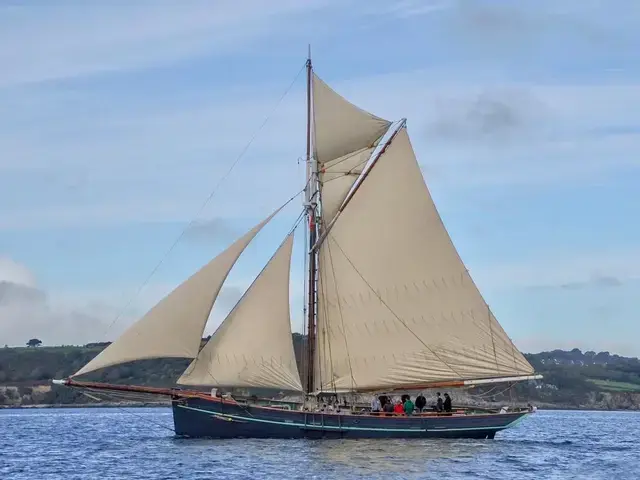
[[110, 444]]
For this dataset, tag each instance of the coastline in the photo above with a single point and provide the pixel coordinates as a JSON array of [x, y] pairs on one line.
[[168, 405], [88, 405]]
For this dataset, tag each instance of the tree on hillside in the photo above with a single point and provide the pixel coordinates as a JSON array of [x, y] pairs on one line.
[[34, 342]]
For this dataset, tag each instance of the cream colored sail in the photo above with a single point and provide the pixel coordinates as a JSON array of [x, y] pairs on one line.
[[336, 179], [396, 306], [340, 127], [253, 346], [174, 327]]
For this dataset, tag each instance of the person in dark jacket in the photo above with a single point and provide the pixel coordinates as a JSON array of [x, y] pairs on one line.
[[420, 402], [439, 405], [447, 402], [388, 409]]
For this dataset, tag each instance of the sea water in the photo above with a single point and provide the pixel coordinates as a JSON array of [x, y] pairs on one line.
[[113, 443]]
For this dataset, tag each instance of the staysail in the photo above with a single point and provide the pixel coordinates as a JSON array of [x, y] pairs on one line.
[[336, 179], [341, 128], [253, 347], [174, 327], [396, 305]]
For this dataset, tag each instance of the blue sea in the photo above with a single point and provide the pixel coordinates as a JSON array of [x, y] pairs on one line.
[[137, 443]]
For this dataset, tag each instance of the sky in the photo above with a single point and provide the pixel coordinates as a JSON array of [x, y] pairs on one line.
[[119, 120]]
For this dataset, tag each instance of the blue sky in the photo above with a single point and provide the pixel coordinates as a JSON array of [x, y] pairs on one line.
[[117, 121]]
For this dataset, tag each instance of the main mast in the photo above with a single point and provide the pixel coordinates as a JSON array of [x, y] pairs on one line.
[[311, 202]]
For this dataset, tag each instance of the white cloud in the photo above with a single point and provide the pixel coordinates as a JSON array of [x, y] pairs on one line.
[[79, 316], [14, 272]]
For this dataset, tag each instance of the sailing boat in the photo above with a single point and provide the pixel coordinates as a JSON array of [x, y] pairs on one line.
[[390, 306]]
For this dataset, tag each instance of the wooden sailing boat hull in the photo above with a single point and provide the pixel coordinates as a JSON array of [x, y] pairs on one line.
[[212, 418]]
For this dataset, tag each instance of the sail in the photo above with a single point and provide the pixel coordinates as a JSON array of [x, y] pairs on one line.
[[253, 346], [336, 179], [339, 126], [174, 327], [396, 305]]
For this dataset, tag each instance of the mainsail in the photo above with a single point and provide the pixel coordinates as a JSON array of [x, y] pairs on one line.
[[174, 326], [253, 346], [396, 306]]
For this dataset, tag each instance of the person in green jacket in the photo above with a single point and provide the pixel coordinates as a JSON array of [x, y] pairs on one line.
[[409, 407]]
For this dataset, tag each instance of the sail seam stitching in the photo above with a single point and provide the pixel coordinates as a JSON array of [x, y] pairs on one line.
[[493, 341]]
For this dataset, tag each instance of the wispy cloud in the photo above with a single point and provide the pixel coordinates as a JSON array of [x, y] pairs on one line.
[[492, 116], [95, 37], [114, 116], [27, 312], [212, 230], [597, 281], [534, 26], [415, 8], [563, 271], [79, 316], [509, 135]]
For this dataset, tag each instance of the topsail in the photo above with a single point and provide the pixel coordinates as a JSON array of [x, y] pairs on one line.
[[341, 128]]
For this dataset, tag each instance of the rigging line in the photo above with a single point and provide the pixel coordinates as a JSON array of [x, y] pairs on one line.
[[483, 394], [131, 413], [346, 157], [208, 199], [305, 343], [392, 312], [342, 174], [326, 335], [346, 344], [488, 393]]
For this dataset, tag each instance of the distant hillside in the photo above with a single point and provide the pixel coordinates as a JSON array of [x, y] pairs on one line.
[[572, 379], [589, 379]]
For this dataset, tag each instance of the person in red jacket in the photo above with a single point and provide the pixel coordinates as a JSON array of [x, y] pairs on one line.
[[398, 409]]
